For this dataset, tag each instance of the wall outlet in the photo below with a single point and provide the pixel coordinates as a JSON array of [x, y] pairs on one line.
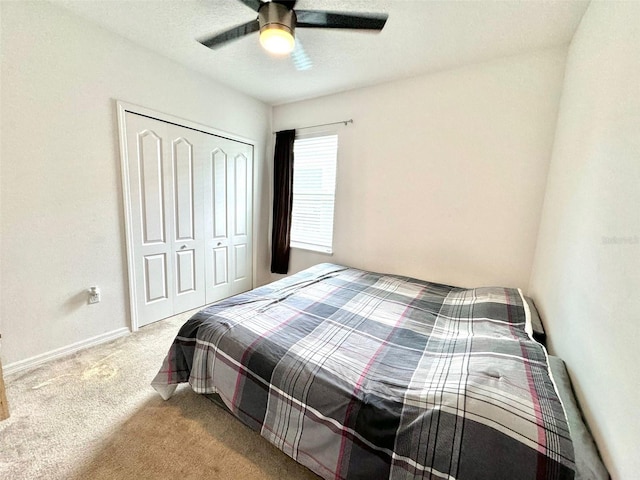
[[94, 295]]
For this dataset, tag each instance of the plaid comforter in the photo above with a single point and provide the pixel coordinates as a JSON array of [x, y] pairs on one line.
[[360, 375]]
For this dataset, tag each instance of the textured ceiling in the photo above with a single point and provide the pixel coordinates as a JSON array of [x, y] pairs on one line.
[[419, 37]]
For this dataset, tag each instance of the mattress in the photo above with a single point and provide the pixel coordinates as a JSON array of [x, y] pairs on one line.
[[358, 374]]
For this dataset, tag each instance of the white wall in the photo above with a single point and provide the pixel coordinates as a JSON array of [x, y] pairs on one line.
[[586, 275], [62, 221], [442, 176]]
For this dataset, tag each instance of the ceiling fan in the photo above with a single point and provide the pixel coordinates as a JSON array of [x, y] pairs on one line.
[[277, 21]]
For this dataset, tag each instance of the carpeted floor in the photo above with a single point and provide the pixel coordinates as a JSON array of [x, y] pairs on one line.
[[93, 415]]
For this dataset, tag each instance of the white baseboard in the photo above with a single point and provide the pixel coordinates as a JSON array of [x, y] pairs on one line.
[[61, 352]]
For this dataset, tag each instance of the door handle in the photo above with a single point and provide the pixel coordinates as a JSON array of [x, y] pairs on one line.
[[219, 243], [183, 247]]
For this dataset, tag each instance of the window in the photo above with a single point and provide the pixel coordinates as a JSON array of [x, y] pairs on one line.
[[314, 188]]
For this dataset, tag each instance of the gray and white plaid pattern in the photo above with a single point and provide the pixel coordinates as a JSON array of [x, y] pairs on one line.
[[361, 375]]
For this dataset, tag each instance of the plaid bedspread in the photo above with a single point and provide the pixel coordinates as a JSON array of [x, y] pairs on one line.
[[359, 375]]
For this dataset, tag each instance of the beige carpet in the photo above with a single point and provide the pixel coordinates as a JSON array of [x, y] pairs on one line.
[[93, 415]]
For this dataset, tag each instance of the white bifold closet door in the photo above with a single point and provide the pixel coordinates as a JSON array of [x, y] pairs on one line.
[[190, 217]]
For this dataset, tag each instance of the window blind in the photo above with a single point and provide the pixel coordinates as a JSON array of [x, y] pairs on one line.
[[314, 186]]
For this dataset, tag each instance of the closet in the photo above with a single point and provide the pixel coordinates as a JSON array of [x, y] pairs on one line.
[[188, 202]]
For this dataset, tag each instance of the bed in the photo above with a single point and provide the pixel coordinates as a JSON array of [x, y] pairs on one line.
[[360, 375]]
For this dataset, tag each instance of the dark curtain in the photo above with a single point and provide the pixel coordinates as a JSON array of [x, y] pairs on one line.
[[282, 200]]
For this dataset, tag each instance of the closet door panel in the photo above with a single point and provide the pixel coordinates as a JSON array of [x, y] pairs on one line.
[[217, 217], [156, 287], [185, 272], [151, 190], [220, 266], [241, 189], [219, 181], [190, 219], [230, 244], [150, 218], [183, 186], [240, 259], [241, 239], [188, 241]]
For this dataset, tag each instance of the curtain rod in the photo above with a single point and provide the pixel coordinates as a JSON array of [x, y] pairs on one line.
[[345, 122]]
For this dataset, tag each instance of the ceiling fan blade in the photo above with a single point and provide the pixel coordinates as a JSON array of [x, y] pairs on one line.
[[253, 4], [232, 34], [301, 60], [359, 21]]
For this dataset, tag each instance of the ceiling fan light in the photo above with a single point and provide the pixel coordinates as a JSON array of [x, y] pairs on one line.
[[277, 39]]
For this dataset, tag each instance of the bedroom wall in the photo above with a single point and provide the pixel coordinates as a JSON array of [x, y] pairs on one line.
[[62, 221], [442, 176], [586, 275]]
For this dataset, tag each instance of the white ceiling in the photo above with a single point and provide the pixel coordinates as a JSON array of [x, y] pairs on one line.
[[419, 37]]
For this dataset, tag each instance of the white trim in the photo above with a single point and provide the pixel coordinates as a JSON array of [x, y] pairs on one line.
[[124, 165], [546, 356], [122, 109], [64, 351], [528, 327], [165, 117], [311, 248]]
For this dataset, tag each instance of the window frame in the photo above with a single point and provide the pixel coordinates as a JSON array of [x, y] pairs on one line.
[[316, 248]]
